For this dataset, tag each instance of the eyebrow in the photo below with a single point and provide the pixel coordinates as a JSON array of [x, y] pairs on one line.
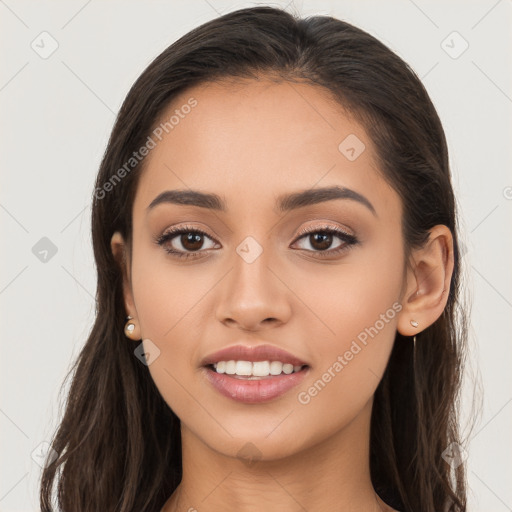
[[285, 202]]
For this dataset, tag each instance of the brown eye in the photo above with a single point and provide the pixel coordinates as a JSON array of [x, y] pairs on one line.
[[183, 242], [321, 239]]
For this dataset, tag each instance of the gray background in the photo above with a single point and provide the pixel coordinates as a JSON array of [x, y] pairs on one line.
[[57, 113]]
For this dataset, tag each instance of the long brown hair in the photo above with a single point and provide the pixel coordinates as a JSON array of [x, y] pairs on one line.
[[118, 444]]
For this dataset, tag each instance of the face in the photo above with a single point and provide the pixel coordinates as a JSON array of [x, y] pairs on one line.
[[319, 279]]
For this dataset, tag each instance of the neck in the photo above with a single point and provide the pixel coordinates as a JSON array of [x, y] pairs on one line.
[[332, 475]]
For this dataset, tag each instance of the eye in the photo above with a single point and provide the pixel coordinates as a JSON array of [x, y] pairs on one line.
[[321, 238], [191, 239]]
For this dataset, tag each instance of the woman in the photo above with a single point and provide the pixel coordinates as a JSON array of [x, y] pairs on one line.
[[278, 316]]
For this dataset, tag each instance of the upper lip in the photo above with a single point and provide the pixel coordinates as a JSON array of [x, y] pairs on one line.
[[263, 352]]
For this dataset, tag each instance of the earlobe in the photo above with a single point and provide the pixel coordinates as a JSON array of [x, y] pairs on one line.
[[428, 282], [118, 247]]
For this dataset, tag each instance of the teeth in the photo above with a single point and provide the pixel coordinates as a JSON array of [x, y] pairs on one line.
[[230, 367], [276, 367], [260, 368], [256, 369], [243, 368]]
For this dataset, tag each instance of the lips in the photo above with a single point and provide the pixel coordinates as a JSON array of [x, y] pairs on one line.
[[254, 390], [253, 353]]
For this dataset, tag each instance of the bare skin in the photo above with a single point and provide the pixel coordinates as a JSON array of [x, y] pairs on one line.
[[249, 143]]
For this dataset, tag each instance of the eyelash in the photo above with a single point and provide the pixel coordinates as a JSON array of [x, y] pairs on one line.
[[350, 240]]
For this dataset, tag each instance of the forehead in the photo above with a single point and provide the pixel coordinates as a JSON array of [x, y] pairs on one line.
[[251, 140]]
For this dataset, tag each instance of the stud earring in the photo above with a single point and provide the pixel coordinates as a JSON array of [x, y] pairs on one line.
[[129, 328], [414, 323]]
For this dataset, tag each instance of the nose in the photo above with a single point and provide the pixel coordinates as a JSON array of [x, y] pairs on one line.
[[254, 295]]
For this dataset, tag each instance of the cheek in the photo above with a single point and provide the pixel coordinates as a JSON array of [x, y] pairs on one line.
[[168, 302], [168, 298], [344, 300], [349, 365], [357, 311]]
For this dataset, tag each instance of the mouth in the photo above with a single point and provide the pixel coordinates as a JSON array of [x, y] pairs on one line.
[[254, 373]]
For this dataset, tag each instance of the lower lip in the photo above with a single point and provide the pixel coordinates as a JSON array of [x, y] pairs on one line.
[[254, 391]]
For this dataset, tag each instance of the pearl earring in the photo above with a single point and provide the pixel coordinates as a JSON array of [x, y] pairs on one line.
[[129, 327]]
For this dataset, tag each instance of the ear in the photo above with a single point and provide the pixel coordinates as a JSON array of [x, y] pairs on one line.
[[120, 252], [428, 282]]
